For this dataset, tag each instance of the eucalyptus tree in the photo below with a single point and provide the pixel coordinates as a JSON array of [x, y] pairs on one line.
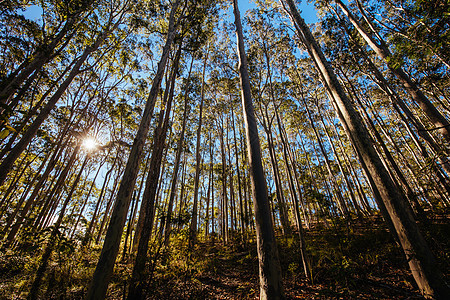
[[51, 243], [381, 48], [193, 224], [223, 204], [114, 18], [210, 110], [269, 264], [147, 211], [420, 259], [222, 86], [62, 20], [105, 265], [265, 41], [353, 63], [179, 147]]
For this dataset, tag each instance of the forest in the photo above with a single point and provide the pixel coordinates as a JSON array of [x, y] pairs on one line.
[[187, 149]]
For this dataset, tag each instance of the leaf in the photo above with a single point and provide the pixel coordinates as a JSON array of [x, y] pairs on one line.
[[11, 129], [4, 133]]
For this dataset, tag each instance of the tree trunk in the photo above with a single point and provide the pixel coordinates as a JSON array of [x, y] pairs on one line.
[[421, 261], [269, 264], [224, 198], [137, 282], [210, 183], [28, 135], [48, 250], [140, 221], [103, 271], [382, 49], [241, 204], [180, 146], [193, 225], [276, 177]]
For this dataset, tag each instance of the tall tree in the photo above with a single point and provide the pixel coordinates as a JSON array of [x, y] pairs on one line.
[[193, 226], [105, 265], [382, 49], [420, 259], [136, 290], [269, 264]]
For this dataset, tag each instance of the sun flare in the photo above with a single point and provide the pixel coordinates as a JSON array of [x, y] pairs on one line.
[[89, 144]]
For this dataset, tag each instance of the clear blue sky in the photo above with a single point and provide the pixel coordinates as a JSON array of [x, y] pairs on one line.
[[308, 11]]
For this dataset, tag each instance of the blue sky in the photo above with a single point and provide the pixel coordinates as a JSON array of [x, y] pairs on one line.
[[33, 12], [308, 11]]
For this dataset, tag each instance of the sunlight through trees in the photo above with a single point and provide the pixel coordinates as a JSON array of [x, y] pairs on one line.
[[217, 149]]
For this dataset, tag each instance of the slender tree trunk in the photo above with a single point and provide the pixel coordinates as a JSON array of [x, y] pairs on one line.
[[224, 198], [213, 231], [241, 204], [210, 187], [276, 176], [140, 221], [134, 204], [48, 250], [193, 225], [233, 219], [421, 261], [290, 162], [382, 50], [296, 204], [180, 146], [137, 282], [103, 271], [88, 234], [28, 135], [281, 202], [269, 264]]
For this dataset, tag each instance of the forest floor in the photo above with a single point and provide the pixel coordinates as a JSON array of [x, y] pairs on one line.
[[359, 261]]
